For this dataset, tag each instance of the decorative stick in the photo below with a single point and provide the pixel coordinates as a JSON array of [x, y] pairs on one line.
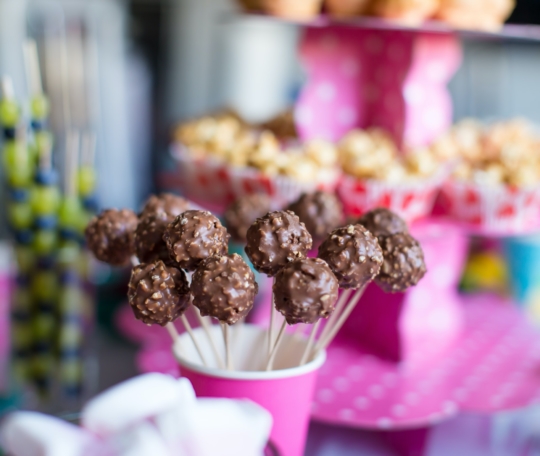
[[342, 318], [171, 329], [311, 340], [31, 61], [186, 324], [335, 315], [206, 328], [271, 327], [8, 92], [269, 364], [226, 339]]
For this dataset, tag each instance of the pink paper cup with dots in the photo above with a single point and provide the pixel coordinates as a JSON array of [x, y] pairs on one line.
[[286, 392]]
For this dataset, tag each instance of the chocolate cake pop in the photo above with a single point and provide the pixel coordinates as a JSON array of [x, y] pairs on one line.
[[383, 222], [243, 212], [275, 240], [305, 290], [194, 236], [321, 212], [149, 243], [403, 264], [158, 294], [165, 202], [353, 254], [224, 287], [110, 236]]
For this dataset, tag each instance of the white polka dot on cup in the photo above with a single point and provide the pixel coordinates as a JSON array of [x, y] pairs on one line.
[[326, 91], [304, 115], [414, 94], [347, 116]]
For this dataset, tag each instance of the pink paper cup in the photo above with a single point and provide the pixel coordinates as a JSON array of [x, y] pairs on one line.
[[492, 209], [286, 392], [215, 184], [412, 200]]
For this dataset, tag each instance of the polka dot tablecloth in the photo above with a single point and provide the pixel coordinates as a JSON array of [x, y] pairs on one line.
[[391, 79], [494, 366]]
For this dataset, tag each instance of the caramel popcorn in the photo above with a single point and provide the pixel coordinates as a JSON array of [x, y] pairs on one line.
[[227, 138], [372, 154], [504, 153]]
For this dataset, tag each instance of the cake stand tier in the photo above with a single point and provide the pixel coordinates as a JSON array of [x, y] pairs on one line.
[[493, 366]]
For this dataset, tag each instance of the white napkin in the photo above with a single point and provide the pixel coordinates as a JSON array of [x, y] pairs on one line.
[[130, 402], [150, 415], [35, 434]]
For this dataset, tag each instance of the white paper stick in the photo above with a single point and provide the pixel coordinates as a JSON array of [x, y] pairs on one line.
[[8, 92], [343, 317], [227, 341], [271, 327], [186, 324], [335, 315], [269, 364], [309, 345], [31, 64], [206, 328], [171, 329]]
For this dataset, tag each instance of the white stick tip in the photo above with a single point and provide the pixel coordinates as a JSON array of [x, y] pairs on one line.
[[8, 91]]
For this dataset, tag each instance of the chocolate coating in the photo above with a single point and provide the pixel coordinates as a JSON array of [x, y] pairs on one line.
[[194, 236], [383, 222], [403, 265], [353, 254], [275, 240], [165, 202], [149, 243], [243, 212], [224, 287], [110, 236], [158, 294], [305, 290], [321, 212]]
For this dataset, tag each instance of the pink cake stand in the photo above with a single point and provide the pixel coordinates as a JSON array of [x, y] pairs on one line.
[[493, 366]]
